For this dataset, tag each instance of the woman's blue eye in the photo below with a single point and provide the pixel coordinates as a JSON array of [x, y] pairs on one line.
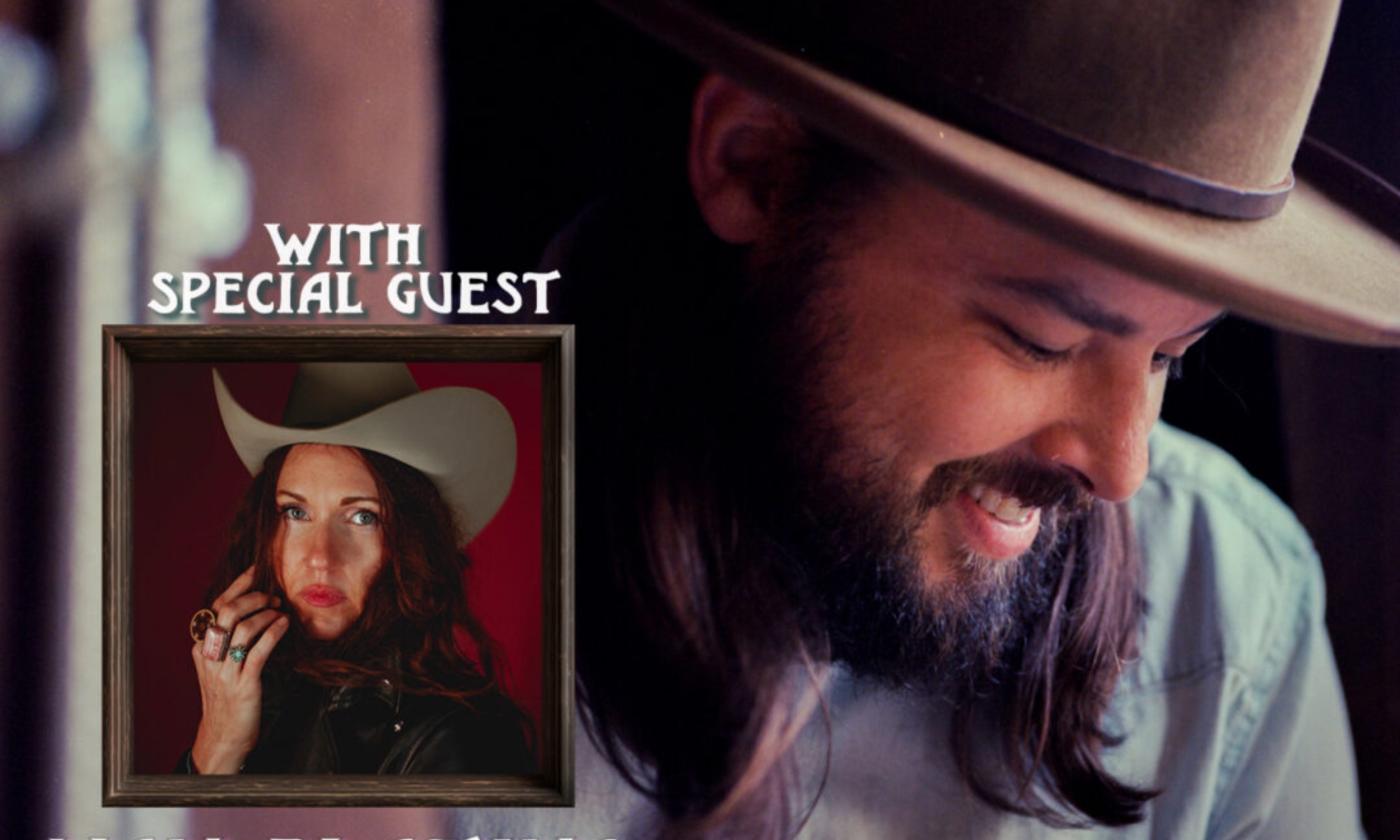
[[364, 517], [294, 512]]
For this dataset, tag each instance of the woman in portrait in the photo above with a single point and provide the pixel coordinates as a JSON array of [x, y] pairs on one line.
[[337, 637]]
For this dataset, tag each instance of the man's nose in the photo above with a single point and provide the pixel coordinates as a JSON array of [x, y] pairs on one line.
[[1102, 434]]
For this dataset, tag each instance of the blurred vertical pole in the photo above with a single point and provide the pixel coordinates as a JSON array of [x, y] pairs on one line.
[[154, 189], [74, 230], [199, 194], [109, 71], [34, 282]]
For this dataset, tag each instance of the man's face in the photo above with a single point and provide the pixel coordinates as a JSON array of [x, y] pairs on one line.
[[972, 387]]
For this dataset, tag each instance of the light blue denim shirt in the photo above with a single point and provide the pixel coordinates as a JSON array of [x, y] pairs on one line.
[[1233, 710]]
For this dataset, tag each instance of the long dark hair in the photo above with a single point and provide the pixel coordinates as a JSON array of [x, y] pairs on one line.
[[694, 610], [416, 629]]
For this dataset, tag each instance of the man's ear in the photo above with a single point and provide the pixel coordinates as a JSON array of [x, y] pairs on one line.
[[741, 146]]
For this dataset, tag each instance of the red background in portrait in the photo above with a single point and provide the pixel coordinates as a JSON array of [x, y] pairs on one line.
[[187, 482]]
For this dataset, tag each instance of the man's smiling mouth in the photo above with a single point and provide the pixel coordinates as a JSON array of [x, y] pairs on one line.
[[1003, 506], [994, 524]]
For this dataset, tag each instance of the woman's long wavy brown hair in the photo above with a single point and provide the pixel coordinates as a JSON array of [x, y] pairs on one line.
[[694, 612], [416, 630]]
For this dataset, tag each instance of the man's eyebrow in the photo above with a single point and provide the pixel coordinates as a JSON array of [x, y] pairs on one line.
[[1071, 303]]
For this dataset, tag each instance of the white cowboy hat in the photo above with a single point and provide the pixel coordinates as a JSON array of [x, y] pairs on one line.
[[462, 439]]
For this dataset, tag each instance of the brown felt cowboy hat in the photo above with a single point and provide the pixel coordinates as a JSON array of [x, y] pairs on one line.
[[462, 439], [1161, 136]]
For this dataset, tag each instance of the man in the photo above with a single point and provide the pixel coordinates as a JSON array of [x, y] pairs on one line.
[[877, 536]]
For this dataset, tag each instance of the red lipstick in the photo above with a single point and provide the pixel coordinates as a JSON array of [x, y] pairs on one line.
[[320, 595]]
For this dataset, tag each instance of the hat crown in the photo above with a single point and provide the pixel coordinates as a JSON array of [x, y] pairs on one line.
[[462, 439], [1142, 133], [327, 393], [1218, 91]]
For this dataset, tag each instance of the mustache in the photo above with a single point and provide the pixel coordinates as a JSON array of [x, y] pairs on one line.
[[1030, 481]]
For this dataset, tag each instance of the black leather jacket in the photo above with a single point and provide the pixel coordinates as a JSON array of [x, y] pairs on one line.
[[307, 728]]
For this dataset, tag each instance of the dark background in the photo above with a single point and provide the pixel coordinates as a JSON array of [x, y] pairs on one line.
[[550, 106]]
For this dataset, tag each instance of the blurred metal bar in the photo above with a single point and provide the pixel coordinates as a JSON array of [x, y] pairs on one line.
[[108, 166]]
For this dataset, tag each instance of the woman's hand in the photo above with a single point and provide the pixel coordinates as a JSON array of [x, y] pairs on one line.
[[231, 692]]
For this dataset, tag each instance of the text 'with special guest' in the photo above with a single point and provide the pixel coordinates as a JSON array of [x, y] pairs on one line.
[[327, 293]]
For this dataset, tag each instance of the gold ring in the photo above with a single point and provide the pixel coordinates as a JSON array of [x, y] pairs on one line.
[[200, 624]]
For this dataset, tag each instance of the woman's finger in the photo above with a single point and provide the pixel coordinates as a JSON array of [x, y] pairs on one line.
[[205, 672], [204, 666], [197, 654], [257, 657], [235, 610], [248, 629]]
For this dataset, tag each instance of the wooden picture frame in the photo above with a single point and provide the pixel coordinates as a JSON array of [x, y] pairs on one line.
[[549, 347]]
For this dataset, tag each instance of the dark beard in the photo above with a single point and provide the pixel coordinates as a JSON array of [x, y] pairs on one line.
[[867, 584], [885, 622]]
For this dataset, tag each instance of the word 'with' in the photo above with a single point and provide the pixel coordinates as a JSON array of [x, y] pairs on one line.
[[335, 293]]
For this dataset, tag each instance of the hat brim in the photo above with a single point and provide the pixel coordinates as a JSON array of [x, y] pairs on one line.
[[462, 439], [1317, 267]]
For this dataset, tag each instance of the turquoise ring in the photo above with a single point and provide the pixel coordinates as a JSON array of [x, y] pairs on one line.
[[238, 653]]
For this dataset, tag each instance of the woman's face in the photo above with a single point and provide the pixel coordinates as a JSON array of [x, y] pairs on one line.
[[330, 544]]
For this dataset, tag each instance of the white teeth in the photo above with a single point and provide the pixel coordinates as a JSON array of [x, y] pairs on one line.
[[990, 500], [1008, 509], [1011, 510]]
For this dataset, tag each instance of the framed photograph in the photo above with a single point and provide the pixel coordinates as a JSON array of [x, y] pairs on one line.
[[338, 565]]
